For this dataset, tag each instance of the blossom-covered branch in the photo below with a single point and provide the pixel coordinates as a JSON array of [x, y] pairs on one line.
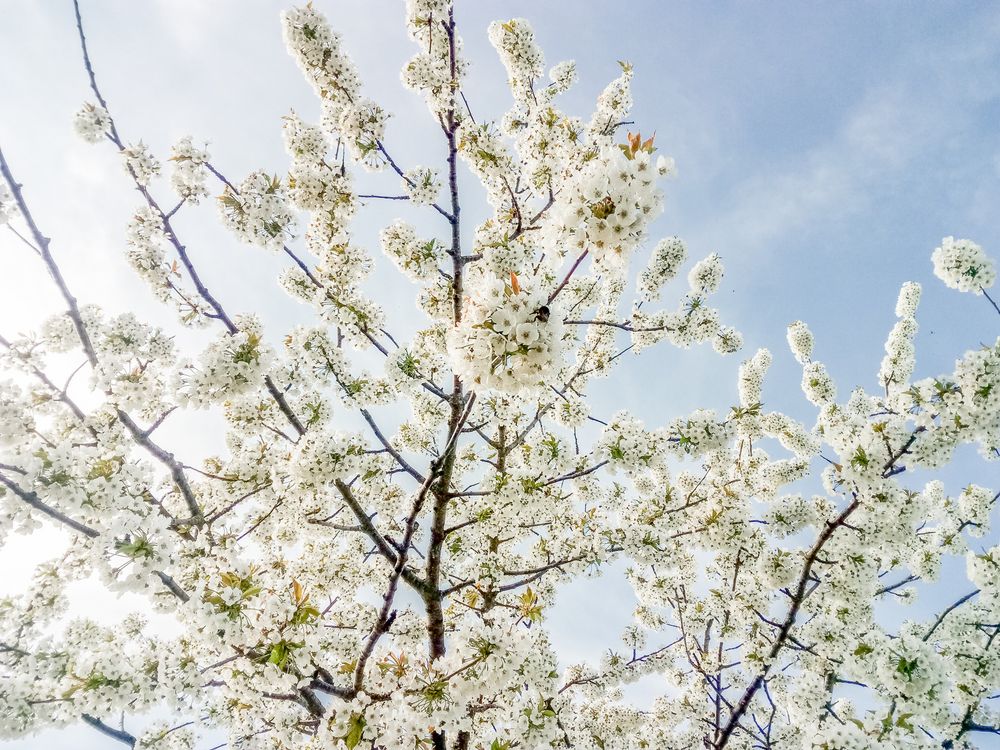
[[390, 585]]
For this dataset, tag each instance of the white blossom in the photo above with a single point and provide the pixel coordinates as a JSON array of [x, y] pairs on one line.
[[964, 265], [509, 337], [258, 211], [706, 275], [140, 163], [92, 122], [609, 203], [418, 259], [664, 263], [370, 553], [800, 341], [189, 170], [8, 208], [422, 185]]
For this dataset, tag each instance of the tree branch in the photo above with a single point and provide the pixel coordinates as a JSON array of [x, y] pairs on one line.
[[118, 734]]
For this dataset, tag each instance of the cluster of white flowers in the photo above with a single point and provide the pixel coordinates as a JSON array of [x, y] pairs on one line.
[[817, 385], [390, 586], [627, 445], [608, 206], [333, 287], [693, 321], [546, 140], [800, 341], [501, 253], [189, 170], [230, 365], [697, 434], [313, 185], [258, 211], [324, 457], [751, 381], [317, 49], [362, 126], [509, 337], [964, 265], [430, 71], [489, 157], [135, 364], [706, 275], [664, 263], [961, 407], [613, 105], [418, 259], [145, 237], [163, 736], [140, 163], [908, 300], [563, 76], [8, 208], [422, 185], [514, 41], [900, 358], [92, 122]]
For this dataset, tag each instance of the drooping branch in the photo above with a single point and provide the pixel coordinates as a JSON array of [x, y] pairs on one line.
[[31, 498], [219, 313], [138, 434]]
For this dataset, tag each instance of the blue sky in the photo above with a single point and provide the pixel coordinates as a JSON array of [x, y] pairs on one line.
[[823, 150]]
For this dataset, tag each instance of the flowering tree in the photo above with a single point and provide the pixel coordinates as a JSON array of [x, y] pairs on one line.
[[387, 588]]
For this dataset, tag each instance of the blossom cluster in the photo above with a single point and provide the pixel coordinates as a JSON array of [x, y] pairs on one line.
[[140, 163], [92, 122], [607, 208], [436, 71], [370, 554], [189, 170], [664, 263], [8, 209], [320, 56], [327, 192], [422, 185], [258, 212], [231, 365], [508, 337], [146, 237], [694, 321], [964, 265], [514, 41], [418, 259]]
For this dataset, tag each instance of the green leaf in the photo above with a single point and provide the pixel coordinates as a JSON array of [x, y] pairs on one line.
[[906, 667], [357, 728]]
